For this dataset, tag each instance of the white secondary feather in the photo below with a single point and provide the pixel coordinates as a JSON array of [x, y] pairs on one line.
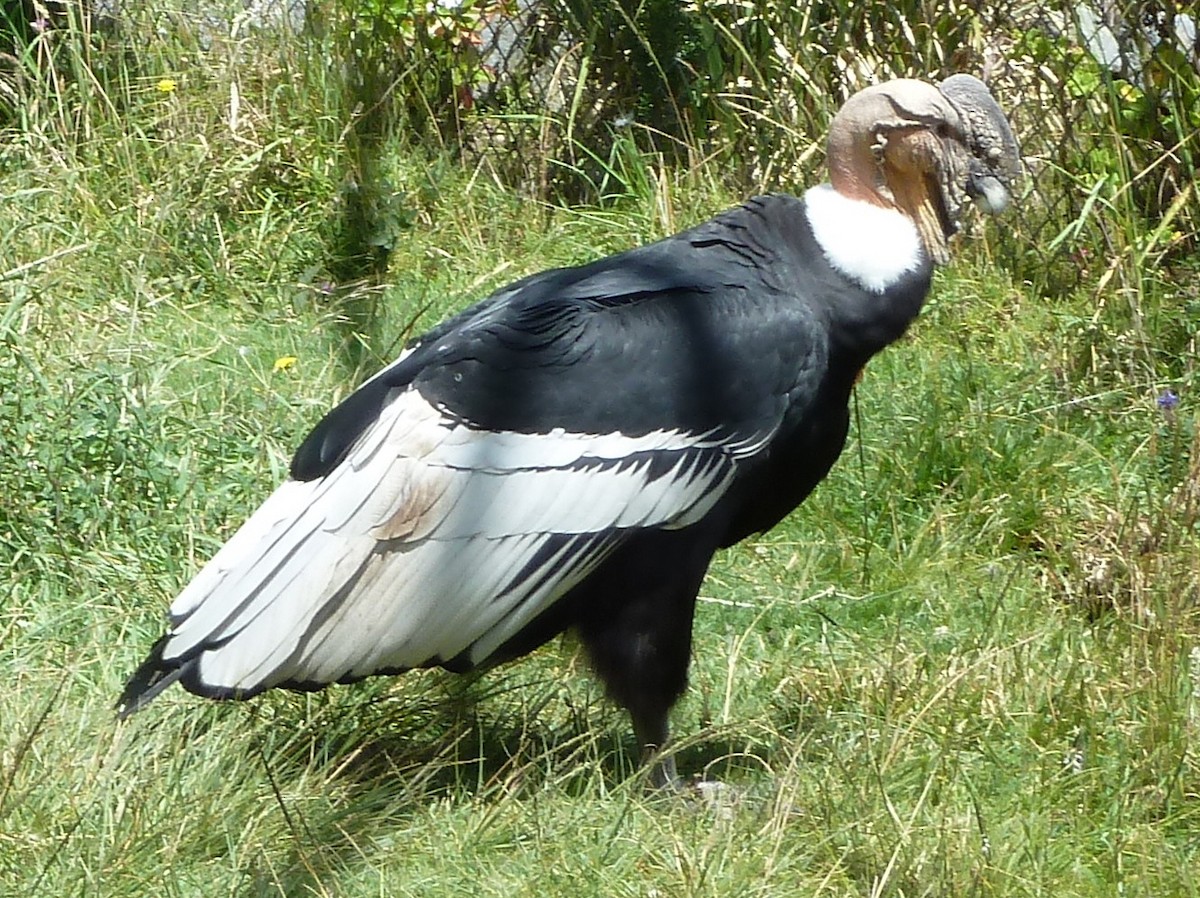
[[429, 540], [873, 245]]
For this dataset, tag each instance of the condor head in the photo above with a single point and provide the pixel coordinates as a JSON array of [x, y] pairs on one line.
[[925, 150]]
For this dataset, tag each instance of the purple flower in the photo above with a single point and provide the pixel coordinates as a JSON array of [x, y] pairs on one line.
[[1167, 400], [41, 24]]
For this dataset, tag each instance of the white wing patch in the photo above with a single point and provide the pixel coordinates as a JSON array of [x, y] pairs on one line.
[[431, 540]]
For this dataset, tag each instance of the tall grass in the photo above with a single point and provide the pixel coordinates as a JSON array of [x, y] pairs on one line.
[[968, 665]]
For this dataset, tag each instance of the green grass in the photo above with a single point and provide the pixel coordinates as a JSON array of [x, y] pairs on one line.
[[967, 666]]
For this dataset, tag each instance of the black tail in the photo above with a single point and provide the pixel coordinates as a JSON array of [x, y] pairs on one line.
[[151, 678]]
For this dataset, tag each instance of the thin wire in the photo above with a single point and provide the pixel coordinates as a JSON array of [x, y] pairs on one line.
[[862, 471]]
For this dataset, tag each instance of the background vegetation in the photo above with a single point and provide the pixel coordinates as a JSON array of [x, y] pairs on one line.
[[968, 666]]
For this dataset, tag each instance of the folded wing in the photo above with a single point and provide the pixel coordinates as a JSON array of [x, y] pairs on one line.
[[432, 542]]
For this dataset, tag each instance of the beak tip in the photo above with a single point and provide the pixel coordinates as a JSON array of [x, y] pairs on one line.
[[992, 196]]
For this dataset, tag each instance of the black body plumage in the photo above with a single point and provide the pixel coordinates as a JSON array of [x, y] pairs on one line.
[[727, 326], [572, 450], [736, 333]]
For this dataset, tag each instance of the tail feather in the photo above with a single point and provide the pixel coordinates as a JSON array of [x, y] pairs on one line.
[[152, 677]]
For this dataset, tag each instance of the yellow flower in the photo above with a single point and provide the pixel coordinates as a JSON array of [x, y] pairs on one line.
[[284, 362], [166, 85]]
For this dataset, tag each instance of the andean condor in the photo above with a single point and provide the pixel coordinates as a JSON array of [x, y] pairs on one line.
[[569, 452]]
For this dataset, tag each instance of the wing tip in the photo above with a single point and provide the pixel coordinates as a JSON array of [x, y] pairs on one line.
[[155, 674], [152, 677]]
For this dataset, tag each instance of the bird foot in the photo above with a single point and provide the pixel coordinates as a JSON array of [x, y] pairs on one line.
[[714, 797], [722, 800]]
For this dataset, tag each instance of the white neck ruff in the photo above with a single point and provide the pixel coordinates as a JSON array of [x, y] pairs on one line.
[[869, 244]]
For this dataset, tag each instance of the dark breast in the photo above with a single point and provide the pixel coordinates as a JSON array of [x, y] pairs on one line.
[[810, 440]]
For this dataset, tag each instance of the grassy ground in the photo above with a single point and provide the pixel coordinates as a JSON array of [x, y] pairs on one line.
[[968, 666]]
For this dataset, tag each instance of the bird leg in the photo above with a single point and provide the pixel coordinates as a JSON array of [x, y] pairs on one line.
[[640, 648], [637, 628], [651, 730], [644, 668]]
